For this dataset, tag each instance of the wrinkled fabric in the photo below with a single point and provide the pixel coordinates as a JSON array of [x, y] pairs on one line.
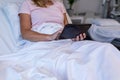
[[104, 33], [54, 60], [62, 60]]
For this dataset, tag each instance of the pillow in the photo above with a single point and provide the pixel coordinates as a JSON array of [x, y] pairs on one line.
[[7, 40], [4, 2], [105, 22], [11, 12]]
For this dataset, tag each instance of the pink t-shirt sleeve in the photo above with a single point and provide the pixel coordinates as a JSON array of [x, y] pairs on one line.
[[25, 8], [62, 8]]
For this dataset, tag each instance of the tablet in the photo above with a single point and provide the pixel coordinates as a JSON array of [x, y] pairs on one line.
[[71, 31]]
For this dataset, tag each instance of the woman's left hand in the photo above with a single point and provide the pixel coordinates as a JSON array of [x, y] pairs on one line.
[[80, 37]]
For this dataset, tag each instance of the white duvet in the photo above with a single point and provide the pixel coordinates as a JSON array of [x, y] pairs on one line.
[[62, 60], [54, 60]]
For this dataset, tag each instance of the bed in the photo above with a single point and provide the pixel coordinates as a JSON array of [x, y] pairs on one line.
[[53, 60]]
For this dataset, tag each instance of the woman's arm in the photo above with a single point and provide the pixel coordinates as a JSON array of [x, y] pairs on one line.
[[65, 19], [28, 34]]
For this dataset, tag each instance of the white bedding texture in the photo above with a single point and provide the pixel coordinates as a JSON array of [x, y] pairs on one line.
[[105, 30], [52, 60]]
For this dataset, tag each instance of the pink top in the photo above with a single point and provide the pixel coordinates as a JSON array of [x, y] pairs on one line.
[[39, 15]]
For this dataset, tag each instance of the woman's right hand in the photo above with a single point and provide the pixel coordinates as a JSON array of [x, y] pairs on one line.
[[55, 35], [80, 37]]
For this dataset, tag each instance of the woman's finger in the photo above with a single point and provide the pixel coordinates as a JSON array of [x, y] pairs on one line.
[[81, 37], [84, 35], [78, 38]]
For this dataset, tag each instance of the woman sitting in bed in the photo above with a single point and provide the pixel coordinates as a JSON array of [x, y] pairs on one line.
[[37, 12]]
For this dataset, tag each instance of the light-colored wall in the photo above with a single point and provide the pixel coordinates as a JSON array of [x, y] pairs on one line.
[[86, 5]]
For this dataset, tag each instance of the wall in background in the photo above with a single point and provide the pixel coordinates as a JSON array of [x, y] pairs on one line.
[[86, 6]]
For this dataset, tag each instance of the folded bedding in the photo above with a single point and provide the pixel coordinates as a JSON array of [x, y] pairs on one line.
[[104, 33], [104, 30]]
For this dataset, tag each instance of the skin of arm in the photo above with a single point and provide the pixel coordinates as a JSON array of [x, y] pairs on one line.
[[65, 19], [28, 34]]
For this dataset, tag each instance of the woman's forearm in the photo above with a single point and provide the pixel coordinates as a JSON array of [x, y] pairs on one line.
[[35, 36], [65, 19]]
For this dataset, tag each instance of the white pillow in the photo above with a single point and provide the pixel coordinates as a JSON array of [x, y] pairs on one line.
[[105, 22], [11, 12], [7, 40], [4, 2]]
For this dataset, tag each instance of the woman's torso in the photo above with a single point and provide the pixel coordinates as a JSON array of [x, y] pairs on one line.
[[39, 15]]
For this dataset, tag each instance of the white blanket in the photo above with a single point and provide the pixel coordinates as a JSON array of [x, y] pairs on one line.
[[62, 60]]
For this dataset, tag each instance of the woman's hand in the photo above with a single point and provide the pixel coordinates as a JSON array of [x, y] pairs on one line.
[[55, 35], [80, 37]]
